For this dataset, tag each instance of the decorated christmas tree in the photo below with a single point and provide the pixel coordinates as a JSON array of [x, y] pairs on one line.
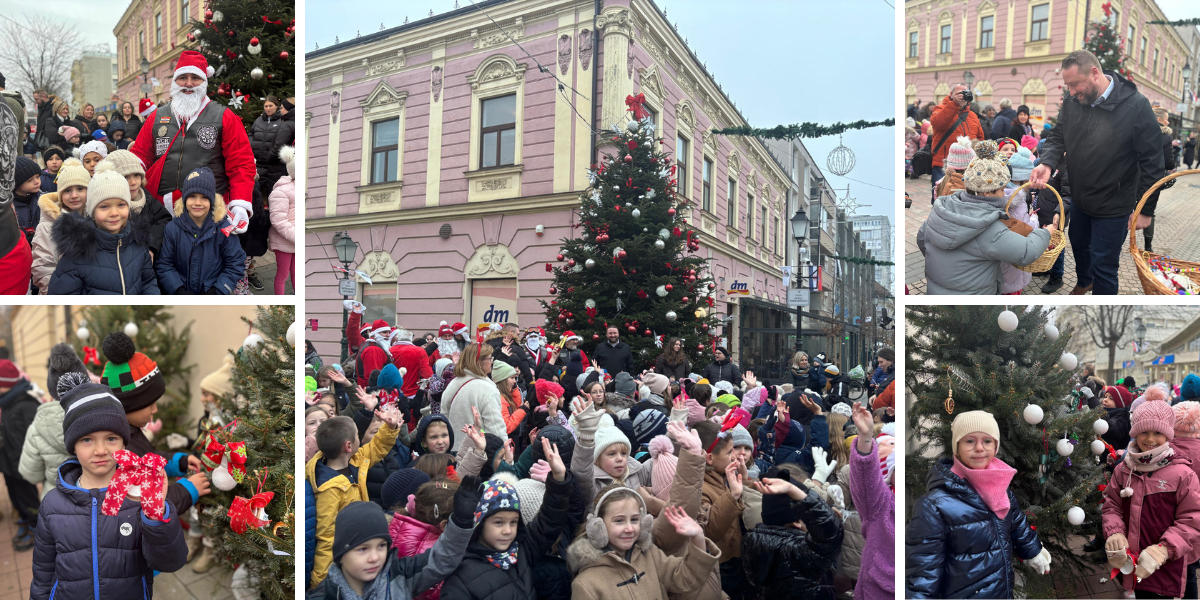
[[253, 523], [1108, 46], [150, 328], [634, 263], [961, 358], [251, 48]]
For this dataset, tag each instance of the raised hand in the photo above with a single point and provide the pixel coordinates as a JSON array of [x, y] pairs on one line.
[[733, 476], [475, 436], [539, 471], [823, 466], [555, 460], [687, 439], [810, 404], [678, 404], [863, 420], [683, 524], [552, 404], [370, 401], [390, 415], [782, 412], [750, 379], [339, 377], [771, 486], [509, 448]]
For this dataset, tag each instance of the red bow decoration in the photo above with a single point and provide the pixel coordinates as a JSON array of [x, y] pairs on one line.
[[145, 474], [634, 103], [267, 19], [244, 513], [731, 421], [214, 451], [91, 356]]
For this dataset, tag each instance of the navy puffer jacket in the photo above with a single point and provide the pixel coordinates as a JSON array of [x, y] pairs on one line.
[[81, 553], [310, 531], [200, 259], [952, 544], [98, 262]]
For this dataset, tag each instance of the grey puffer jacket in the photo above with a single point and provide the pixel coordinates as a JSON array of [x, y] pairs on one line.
[[965, 242], [44, 448]]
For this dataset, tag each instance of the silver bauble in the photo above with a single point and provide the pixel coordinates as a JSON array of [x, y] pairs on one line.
[[671, 316], [256, 73], [636, 213], [589, 263], [660, 244]]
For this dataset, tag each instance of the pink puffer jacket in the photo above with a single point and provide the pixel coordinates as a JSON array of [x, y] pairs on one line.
[[411, 537], [282, 202]]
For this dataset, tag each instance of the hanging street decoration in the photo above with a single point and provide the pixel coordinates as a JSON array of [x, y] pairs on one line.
[[840, 160], [802, 130]]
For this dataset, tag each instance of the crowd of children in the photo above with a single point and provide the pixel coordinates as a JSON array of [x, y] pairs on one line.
[[565, 481]]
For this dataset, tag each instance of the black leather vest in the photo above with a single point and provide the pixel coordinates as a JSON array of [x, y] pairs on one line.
[[198, 146]]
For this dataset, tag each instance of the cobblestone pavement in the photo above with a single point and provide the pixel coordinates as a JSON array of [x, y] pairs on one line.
[[1174, 235]]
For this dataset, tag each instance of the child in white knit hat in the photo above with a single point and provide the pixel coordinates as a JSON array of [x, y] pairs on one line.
[[92, 153], [961, 154], [72, 181]]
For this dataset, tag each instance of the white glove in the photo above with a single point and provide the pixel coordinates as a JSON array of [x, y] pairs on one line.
[[353, 306], [823, 467], [241, 220], [837, 498], [1041, 562]]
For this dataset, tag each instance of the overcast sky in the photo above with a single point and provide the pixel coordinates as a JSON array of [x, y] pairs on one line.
[[95, 19]]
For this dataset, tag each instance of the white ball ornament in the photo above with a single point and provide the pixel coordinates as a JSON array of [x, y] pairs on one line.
[[252, 341], [671, 316], [632, 126], [1033, 414], [589, 303], [1051, 332], [131, 329], [589, 263], [1007, 321], [1075, 515], [1100, 426], [1097, 447], [222, 479], [636, 213], [83, 334], [256, 73], [255, 50], [1064, 447], [661, 291], [291, 334], [659, 244], [1068, 361]]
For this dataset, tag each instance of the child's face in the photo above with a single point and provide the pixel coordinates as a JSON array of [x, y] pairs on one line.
[[613, 460], [314, 420], [1149, 440], [976, 450], [743, 454], [364, 561], [327, 404], [73, 197], [324, 381], [95, 452], [437, 438], [89, 162], [500, 529], [30, 185], [135, 184], [1108, 401], [74, 140], [721, 456], [140, 417], [54, 163], [118, 135], [622, 519], [197, 206], [111, 215], [1008, 150]]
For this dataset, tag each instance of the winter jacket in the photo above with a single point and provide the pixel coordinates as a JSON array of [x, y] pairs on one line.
[[812, 379], [464, 393], [48, 182], [180, 493], [411, 537], [1014, 278], [203, 259], [944, 117], [17, 105], [786, 563], [405, 355], [592, 478], [19, 407], [1017, 131], [644, 572], [614, 358], [154, 214], [1168, 149], [1114, 150], [850, 559], [335, 490], [1002, 123], [965, 242], [131, 126], [1047, 202], [911, 139], [44, 448], [673, 372], [685, 493], [49, 123], [45, 252], [951, 544], [282, 201], [98, 262], [720, 515], [1164, 509], [268, 136], [876, 505], [379, 471], [310, 531], [723, 370], [518, 359], [1189, 448], [28, 213], [78, 551], [1189, 151], [477, 579], [1118, 427]]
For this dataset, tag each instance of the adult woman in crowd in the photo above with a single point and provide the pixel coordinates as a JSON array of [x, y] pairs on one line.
[[806, 375], [129, 118], [965, 530], [269, 134], [722, 369], [885, 372], [1189, 150], [472, 391], [673, 362], [57, 117], [87, 118], [1020, 126]]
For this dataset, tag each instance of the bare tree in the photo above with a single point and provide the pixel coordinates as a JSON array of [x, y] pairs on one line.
[[1107, 325], [36, 52]]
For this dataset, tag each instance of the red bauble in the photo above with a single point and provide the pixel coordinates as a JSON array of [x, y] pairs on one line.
[[231, 33], [633, 271], [560, 257], [553, 291], [621, 255], [704, 327], [628, 158], [191, 38], [208, 15], [684, 299], [617, 208], [571, 263], [632, 144], [632, 329], [284, 55], [595, 336], [700, 347], [671, 211], [691, 271], [253, 41], [647, 332], [570, 290], [668, 287]]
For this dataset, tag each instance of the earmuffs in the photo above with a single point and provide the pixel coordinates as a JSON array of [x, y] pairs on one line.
[[597, 532]]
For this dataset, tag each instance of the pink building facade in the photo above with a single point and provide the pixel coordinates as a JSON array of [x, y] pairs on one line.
[[1014, 49], [156, 31], [457, 166]]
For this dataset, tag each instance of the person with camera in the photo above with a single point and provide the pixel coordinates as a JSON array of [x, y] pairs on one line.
[[952, 118]]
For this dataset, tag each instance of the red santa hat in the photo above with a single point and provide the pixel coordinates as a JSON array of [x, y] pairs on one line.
[[381, 327], [192, 62], [570, 335], [145, 107], [445, 329], [459, 329]]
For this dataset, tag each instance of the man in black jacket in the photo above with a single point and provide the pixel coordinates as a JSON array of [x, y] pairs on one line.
[[509, 351], [1110, 132], [613, 355]]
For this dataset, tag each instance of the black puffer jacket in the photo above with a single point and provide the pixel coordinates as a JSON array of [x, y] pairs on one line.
[[18, 408], [517, 358], [723, 370], [1118, 427], [156, 216], [477, 579], [786, 563], [81, 553], [614, 358], [267, 136], [133, 126], [97, 262]]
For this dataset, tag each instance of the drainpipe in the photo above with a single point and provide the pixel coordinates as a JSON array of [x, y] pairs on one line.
[[595, 77]]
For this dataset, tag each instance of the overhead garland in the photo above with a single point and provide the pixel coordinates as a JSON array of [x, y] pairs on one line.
[[802, 130], [864, 261], [1179, 23]]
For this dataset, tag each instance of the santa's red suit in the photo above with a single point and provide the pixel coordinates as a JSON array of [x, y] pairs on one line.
[[373, 355], [406, 355], [356, 330], [215, 138]]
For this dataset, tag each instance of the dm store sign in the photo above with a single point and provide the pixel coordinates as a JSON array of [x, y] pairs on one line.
[[739, 288]]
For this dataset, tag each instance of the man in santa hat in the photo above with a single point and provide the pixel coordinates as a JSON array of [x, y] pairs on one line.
[[191, 132], [447, 346], [16, 257], [373, 354], [460, 335], [407, 355]]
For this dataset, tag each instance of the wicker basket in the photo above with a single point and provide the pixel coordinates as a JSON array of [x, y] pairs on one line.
[[1142, 259], [1057, 239]]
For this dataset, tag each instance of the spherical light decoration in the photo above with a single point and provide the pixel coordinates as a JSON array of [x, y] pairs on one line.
[[589, 303], [840, 160], [1051, 332], [589, 263], [252, 341], [701, 313], [131, 329], [1064, 447], [1007, 321], [256, 73], [291, 334], [664, 234], [217, 16], [1097, 447], [661, 291], [1075, 515], [1033, 414], [671, 316], [254, 49], [659, 244], [636, 213], [1068, 361], [83, 334], [1100, 426]]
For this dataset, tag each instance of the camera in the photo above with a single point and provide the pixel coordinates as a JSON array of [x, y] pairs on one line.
[[967, 96]]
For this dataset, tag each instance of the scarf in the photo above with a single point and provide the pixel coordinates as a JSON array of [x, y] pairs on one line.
[[503, 559], [137, 204], [373, 590], [991, 483], [1145, 462]]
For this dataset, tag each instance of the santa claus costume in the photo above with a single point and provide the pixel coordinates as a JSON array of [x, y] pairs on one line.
[[409, 356], [447, 346], [535, 345], [373, 354], [16, 258]]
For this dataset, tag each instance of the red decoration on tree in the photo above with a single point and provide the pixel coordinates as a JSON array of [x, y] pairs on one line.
[[631, 144], [284, 55], [553, 291], [253, 41], [245, 513], [635, 105], [208, 15]]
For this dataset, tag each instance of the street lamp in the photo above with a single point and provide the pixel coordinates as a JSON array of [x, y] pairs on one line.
[[1139, 330], [1187, 81], [800, 232], [145, 67], [346, 249], [969, 78]]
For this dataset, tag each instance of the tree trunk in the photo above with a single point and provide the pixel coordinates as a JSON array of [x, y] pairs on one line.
[[1112, 354]]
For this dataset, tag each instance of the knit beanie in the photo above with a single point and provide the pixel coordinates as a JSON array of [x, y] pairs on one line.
[[390, 378], [497, 495], [220, 382], [609, 435], [741, 437], [1121, 396], [127, 163], [9, 374], [888, 354], [62, 360], [973, 421], [648, 424], [68, 132], [778, 509], [93, 146], [501, 371], [545, 387], [1153, 415], [832, 370], [401, 484], [72, 173], [624, 384], [26, 170], [1021, 164], [662, 474], [841, 408], [357, 523], [728, 400], [51, 152], [960, 154], [910, 122], [657, 382], [1187, 419], [132, 376], [530, 493], [1029, 142], [200, 181], [986, 173], [724, 387], [106, 184], [560, 437], [89, 407]]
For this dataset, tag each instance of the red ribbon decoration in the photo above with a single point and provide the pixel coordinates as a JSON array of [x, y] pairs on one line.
[[143, 471], [267, 19], [634, 103], [214, 451], [243, 512], [91, 356]]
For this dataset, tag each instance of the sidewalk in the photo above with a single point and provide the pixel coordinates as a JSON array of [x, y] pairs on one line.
[[1174, 235], [264, 267]]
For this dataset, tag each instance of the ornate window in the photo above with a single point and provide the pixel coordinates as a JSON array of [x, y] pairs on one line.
[[382, 159], [385, 150], [944, 47], [987, 26], [734, 166], [1039, 28], [912, 44], [157, 28], [497, 129], [1142, 52], [706, 177], [184, 9], [732, 200], [379, 297], [683, 151], [750, 213]]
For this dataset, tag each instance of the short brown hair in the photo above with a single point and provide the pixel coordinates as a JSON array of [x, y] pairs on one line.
[[333, 434], [708, 432], [702, 393], [1082, 60]]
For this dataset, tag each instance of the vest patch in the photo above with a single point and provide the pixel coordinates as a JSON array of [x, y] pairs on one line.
[[126, 529], [160, 145], [207, 136], [162, 130]]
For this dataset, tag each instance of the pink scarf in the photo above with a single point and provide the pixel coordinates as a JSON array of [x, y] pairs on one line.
[[991, 483]]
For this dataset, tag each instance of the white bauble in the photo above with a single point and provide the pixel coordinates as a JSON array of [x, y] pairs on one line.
[[589, 263], [83, 334], [1100, 427], [1097, 447], [1068, 361], [222, 479], [589, 303], [632, 126], [1007, 320], [256, 73], [636, 213], [661, 291], [218, 16], [131, 329], [1033, 414], [663, 233], [252, 341], [1064, 447], [255, 50], [1051, 332], [659, 244], [671, 316], [1075, 515], [291, 334]]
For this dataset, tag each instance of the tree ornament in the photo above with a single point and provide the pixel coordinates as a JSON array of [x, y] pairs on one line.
[[571, 263], [253, 49], [632, 329], [284, 55], [1064, 447], [1007, 321], [1033, 414], [589, 303], [684, 299], [840, 160], [632, 126], [553, 290], [1075, 515], [252, 341], [256, 73], [628, 159], [1068, 361], [589, 263], [560, 257], [671, 316], [661, 291], [253, 41], [291, 334], [82, 333], [1051, 332], [671, 211], [1100, 426], [131, 329], [218, 16], [659, 244], [1097, 447], [664, 234], [636, 213], [208, 15]]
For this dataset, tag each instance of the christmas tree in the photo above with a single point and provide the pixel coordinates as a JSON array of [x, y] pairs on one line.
[[261, 416], [149, 327], [959, 359], [251, 48], [1106, 44], [634, 264]]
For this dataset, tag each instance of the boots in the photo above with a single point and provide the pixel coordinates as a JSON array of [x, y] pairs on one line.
[[22, 530], [24, 539], [194, 543], [204, 561], [1052, 285]]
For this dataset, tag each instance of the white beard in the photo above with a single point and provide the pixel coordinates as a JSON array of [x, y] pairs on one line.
[[447, 348], [187, 106]]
